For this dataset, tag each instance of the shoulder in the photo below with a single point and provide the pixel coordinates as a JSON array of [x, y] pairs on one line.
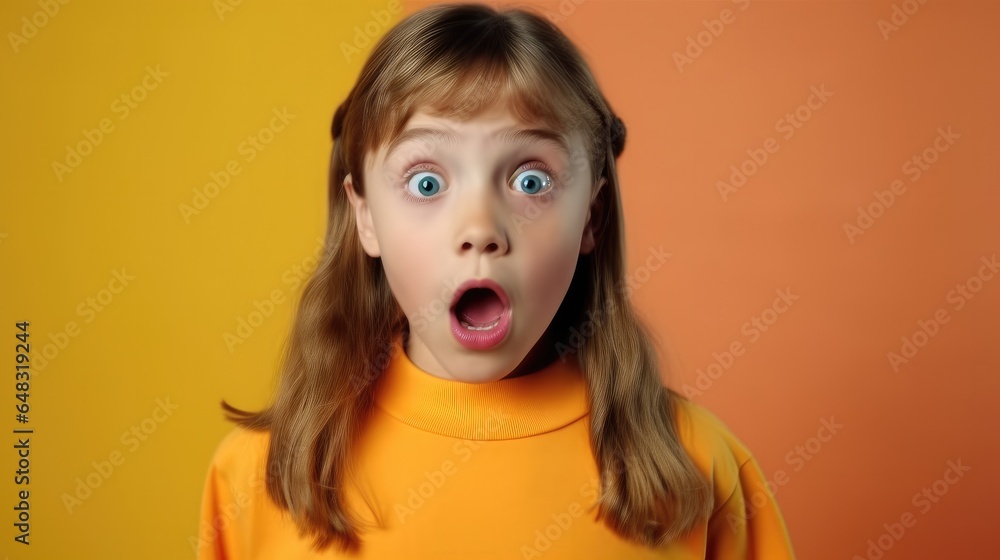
[[712, 445], [706, 433], [241, 455], [746, 521]]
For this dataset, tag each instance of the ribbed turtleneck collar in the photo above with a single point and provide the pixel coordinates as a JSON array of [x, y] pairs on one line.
[[531, 404]]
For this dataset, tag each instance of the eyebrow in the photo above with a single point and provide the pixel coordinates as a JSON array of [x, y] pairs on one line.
[[540, 135]]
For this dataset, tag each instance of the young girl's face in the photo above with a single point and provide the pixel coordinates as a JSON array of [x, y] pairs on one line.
[[451, 201]]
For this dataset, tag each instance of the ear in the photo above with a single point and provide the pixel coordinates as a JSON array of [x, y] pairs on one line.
[[589, 240], [363, 218]]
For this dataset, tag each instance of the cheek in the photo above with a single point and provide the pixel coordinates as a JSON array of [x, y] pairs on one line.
[[408, 277], [407, 259], [551, 254]]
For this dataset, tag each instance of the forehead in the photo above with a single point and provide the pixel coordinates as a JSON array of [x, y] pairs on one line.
[[496, 125]]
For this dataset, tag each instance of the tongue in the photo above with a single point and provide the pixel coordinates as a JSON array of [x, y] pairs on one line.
[[479, 306]]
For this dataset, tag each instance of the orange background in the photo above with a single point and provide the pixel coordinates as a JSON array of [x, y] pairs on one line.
[[826, 358]]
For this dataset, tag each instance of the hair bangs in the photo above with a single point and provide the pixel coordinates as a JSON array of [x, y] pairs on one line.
[[450, 90]]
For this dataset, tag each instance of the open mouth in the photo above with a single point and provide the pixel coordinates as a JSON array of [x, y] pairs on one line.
[[481, 314], [479, 309]]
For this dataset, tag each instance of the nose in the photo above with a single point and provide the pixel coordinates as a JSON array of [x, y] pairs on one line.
[[482, 228]]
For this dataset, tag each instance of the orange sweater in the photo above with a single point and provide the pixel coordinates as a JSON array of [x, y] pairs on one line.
[[484, 471]]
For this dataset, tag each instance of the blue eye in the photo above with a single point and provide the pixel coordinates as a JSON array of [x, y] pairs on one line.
[[424, 183], [532, 181], [421, 185]]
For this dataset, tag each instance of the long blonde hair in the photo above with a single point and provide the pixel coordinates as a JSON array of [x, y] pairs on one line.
[[455, 60]]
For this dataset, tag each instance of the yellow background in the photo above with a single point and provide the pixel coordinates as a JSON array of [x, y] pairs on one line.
[[162, 335]]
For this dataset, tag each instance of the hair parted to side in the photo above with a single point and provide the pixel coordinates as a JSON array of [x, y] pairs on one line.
[[454, 60]]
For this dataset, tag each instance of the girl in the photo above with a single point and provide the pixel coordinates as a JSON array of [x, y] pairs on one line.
[[465, 377]]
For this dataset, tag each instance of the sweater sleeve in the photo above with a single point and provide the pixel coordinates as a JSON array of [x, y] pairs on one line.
[[749, 526], [226, 504], [216, 500]]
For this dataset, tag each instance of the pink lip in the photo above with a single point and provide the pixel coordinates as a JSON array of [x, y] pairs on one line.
[[481, 340]]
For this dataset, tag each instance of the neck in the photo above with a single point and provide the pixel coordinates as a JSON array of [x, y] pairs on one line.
[[532, 400], [542, 354]]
